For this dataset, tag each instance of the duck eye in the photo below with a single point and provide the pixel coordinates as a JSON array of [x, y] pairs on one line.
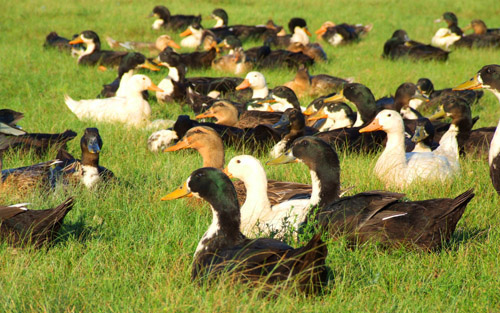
[[305, 143], [238, 161], [389, 115]]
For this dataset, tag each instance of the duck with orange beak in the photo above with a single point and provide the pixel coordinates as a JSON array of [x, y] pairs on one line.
[[343, 33], [130, 109], [489, 78]]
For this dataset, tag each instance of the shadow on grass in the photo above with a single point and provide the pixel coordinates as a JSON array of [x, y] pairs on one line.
[[78, 231], [463, 236]]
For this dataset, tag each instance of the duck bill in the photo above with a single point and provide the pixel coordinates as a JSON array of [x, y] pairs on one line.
[[180, 192], [76, 41], [318, 116], [285, 158], [204, 115], [93, 147], [320, 31], [309, 111], [180, 145], [244, 85], [438, 115], [186, 33], [373, 126], [150, 66], [307, 31], [336, 98], [472, 83], [283, 123], [419, 95], [226, 171], [466, 28], [153, 87], [173, 44]]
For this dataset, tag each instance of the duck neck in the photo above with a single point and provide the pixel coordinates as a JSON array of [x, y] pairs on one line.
[[224, 231], [173, 73], [395, 146], [495, 142], [91, 47], [90, 159], [213, 155], [260, 93], [256, 202], [120, 92], [220, 23], [325, 179]]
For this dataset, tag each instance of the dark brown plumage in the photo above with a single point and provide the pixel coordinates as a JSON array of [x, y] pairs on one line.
[[20, 226]]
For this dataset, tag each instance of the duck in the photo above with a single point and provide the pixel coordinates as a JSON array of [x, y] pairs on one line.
[[313, 50], [342, 33], [292, 125], [373, 216], [235, 63], [400, 45], [445, 38], [193, 60], [488, 77], [13, 137], [423, 136], [299, 33], [257, 215], [226, 113], [128, 66], [242, 32], [452, 21], [8, 122], [175, 85], [224, 249], [209, 144], [86, 171], [303, 84], [283, 98], [25, 179], [192, 36], [160, 44], [20, 226], [53, 40], [257, 82], [336, 114], [350, 138], [479, 27], [395, 167], [93, 55], [131, 110], [174, 22]]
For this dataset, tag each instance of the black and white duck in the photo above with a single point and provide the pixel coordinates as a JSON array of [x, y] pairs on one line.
[[224, 249]]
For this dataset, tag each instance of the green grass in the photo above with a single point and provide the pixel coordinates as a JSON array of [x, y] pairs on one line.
[[121, 249]]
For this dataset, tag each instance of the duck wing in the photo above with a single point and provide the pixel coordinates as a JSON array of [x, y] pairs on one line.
[[35, 226]]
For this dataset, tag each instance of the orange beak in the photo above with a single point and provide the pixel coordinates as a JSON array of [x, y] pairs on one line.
[[76, 41], [204, 115], [153, 87], [316, 117], [308, 111], [226, 171], [270, 109], [149, 66], [180, 145], [186, 33], [307, 31], [173, 44], [373, 126], [244, 85], [320, 31]]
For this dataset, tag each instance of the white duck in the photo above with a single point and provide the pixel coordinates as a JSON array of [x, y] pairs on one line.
[[257, 215], [131, 109], [257, 82], [397, 168]]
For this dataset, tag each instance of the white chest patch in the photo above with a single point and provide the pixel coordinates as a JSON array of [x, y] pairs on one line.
[[336, 39], [157, 24], [211, 232], [90, 176]]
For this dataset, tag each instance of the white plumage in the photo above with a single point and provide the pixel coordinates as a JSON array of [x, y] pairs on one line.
[[130, 109]]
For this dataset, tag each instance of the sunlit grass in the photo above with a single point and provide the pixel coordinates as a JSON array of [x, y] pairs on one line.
[[121, 249]]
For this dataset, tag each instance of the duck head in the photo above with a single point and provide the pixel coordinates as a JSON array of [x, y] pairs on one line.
[[224, 111], [90, 39], [488, 77], [220, 15]]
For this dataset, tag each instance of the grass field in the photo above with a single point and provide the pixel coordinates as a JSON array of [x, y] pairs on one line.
[[123, 250]]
